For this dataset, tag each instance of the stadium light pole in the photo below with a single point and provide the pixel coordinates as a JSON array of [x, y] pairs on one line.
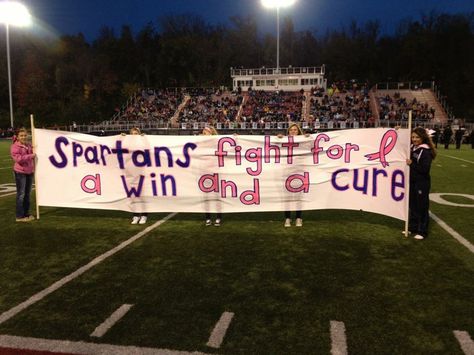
[[277, 4], [12, 14]]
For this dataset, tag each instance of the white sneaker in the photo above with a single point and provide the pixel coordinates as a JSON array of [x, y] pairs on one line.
[[217, 223], [135, 220], [142, 220], [208, 222], [299, 222], [419, 237], [287, 222]]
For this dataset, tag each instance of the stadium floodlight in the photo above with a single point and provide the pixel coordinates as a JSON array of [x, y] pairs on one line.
[[276, 4], [12, 14]]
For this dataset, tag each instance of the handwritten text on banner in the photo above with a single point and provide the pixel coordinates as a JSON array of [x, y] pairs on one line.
[[360, 169]]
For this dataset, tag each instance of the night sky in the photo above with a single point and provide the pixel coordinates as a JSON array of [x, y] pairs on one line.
[[88, 16]]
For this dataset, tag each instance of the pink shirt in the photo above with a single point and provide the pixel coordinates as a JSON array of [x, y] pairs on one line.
[[23, 156]]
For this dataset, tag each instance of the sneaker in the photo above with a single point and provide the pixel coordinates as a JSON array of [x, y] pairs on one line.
[[419, 237], [287, 222], [135, 220], [299, 222], [22, 219], [142, 220], [208, 222], [30, 218], [217, 223]]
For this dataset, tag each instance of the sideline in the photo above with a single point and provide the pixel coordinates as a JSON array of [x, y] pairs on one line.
[[58, 284], [453, 233], [81, 347], [450, 156]]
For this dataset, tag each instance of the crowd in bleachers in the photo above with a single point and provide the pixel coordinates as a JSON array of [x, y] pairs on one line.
[[210, 106], [273, 106], [343, 102], [152, 105], [395, 108]]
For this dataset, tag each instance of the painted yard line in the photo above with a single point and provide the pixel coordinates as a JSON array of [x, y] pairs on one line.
[[453, 233], [109, 322], [467, 345], [8, 167], [80, 347], [58, 284], [338, 338], [218, 333], [450, 156], [13, 193], [464, 166]]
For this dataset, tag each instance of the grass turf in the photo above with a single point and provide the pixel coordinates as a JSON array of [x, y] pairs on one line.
[[395, 295]]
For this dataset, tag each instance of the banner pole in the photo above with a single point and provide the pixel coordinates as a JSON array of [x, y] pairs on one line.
[[33, 138], [407, 191]]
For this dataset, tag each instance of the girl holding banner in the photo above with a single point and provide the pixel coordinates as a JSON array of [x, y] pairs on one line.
[[293, 130], [138, 218], [22, 153], [211, 131], [421, 156]]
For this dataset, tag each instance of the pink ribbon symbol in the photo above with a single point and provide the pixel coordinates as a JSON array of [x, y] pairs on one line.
[[387, 143]]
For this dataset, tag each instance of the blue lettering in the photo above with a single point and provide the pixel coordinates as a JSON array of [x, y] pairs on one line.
[[63, 162], [119, 151], [395, 183], [187, 157], [145, 158], [334, 177], [133, 191]]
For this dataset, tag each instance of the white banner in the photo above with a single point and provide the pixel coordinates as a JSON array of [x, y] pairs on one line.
[[362, 169]]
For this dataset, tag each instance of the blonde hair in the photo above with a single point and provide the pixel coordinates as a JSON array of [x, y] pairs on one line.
[[300, 131], [135, 130], [20, 130], [211, 129]]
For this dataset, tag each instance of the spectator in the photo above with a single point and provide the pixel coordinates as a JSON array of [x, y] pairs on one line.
[[447, 134], [458, 137]]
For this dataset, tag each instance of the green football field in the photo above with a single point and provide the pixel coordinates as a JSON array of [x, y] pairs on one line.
[[346, 281]]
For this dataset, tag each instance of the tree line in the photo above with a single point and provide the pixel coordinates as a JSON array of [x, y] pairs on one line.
[[70, 79]]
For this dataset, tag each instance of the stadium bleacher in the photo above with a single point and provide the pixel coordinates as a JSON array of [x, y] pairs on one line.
[[344, 104]]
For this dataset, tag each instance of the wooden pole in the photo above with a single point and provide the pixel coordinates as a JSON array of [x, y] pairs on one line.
[[407, 191], [33, 138]]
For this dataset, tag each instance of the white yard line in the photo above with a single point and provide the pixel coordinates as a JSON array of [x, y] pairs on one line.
[[465, 341], [218, 333], [109, 322], [58, 284], [450, 156], [80, 347], [13, 193], [338, 338], [453, 233]]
